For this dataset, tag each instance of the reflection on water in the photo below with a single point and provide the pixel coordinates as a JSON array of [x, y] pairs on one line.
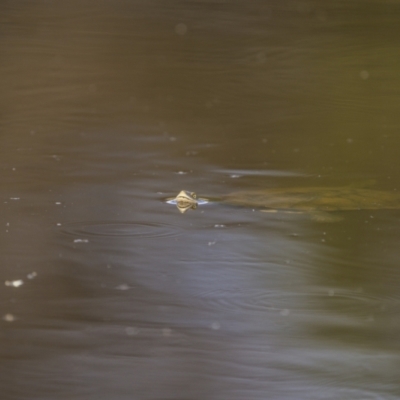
[[108, 109], [120, 229]]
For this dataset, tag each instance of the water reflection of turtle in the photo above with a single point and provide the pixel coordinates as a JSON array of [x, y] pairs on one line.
[[318, 201]]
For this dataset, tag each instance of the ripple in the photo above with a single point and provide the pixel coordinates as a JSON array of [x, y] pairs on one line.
[[237, 173], [121, 229], [358, 305]]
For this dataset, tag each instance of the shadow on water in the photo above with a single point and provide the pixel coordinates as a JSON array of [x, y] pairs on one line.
[[106, 110]]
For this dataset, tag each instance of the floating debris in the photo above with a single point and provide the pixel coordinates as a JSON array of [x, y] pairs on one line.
[[16, 283], [124, 286], [81, 241]]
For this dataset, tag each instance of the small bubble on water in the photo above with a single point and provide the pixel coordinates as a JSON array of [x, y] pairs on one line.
[[32, 275], [9, 318], [180, 29], [320, 14], [58, 203], [364, 74], [285, 312], [211, 243], [215, 325], [331, 292], [166, 332], [304, 8], [131, 331], [219, 226]]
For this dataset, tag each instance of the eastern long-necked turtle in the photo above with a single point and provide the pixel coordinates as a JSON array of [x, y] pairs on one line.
[[313, 200]]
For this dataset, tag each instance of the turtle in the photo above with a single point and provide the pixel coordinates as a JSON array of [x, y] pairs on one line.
[[186, 200], [317, 201]]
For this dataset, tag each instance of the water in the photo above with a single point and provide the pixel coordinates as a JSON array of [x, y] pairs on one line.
[[107, 109]]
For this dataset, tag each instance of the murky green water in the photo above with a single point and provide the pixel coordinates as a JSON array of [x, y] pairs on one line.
[[107, 108]]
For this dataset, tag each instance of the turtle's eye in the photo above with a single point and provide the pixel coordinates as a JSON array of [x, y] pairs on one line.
[[193, 194]]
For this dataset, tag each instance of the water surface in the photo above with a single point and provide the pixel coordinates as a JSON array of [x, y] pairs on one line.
[[109, 108]]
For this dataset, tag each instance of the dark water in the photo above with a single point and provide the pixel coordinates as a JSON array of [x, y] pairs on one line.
[[106, 109]]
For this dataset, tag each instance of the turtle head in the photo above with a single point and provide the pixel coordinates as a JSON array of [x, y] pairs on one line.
[[186, 200]]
